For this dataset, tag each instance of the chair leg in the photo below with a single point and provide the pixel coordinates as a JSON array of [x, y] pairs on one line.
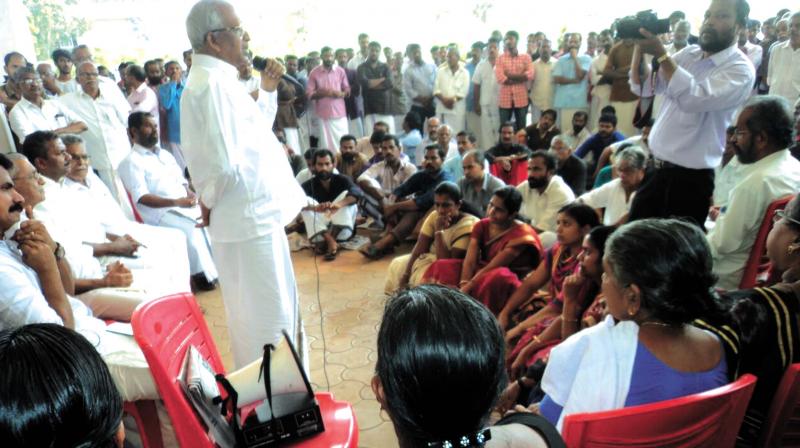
[[146, 416]]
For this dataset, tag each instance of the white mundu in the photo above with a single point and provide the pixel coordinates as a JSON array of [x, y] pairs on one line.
[[241, 174]]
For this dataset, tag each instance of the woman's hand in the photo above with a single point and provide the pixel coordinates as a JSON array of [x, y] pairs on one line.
[[509, 397], [465, 286], [571, 290], [442, 222]]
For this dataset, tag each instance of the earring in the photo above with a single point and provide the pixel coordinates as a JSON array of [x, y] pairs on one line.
[[631, 313]]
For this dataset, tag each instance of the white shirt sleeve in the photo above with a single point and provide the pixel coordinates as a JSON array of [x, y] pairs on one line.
[[19, 123], [21, 301], [133, 178], [737, 222], [723, 90], [599, 197]]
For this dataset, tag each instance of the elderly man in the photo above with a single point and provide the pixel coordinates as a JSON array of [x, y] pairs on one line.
[[570, 168], [327, 87], [141, 98], [783, 74], [162, 195], [34, 113], [466, 142], [768, 172], [688, 137], [451, 88], [508, 160], [229, 149], [106, 117], [330, 216], [614, 198], [477, 186], [37, 285]]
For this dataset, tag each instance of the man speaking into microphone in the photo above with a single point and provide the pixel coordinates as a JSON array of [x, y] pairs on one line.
[[243, 180]]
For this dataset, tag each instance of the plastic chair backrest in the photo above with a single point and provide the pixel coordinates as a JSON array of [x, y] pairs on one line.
[[753, 266], [709, 418], [136, 214], [164, 329], [783, 407]]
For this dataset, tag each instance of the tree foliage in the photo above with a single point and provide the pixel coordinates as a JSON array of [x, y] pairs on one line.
[[51, 27]]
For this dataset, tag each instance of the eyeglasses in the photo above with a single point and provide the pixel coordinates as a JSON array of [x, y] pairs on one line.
[[30, 81], [781, 214], [82, 158], [33, 176], [237, 30]]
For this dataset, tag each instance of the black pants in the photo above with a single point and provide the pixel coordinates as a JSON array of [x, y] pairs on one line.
[[423, 113], [674, 192], [520, 115]]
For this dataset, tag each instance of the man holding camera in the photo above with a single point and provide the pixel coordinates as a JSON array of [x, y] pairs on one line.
[[702, 87], [246, 188]]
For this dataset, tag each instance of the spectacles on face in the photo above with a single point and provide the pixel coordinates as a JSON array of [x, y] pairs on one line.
[[33, 176], [83, 158], [781, 214], [237, 30], [31, 81]]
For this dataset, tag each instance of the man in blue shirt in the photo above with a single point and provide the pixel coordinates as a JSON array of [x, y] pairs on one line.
[[403, 214], [169, 97], [570, 75], [592, 148]]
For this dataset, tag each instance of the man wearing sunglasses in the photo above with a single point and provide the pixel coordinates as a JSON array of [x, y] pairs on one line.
[[768, 172], [244, 183]]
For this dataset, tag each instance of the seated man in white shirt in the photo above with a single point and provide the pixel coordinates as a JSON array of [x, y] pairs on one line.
[[35, 287], [614, 198], [162, 195], [641, 140], [768, 172], [330, 216], [543, 194], [34, 113]]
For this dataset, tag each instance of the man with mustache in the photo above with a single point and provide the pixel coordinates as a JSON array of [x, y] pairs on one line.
[[163, 197], [544, 194], [507, 160], [328, 87], [350, 162], [702, 87], [768, 172]]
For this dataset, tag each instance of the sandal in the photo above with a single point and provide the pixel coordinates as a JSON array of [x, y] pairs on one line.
[[330, 256]]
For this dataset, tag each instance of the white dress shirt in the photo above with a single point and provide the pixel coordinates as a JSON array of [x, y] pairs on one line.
[[732, 238], [96, 195], [107, 119], [542, 209], [237, 165], [449, 84], [699, 103], [611, 197], [154, 172], [754, 53], [784, 71], [68, 86], [725, 178], [418, 80], [383, 177], [144, 99], [26, 118], [485, 78]]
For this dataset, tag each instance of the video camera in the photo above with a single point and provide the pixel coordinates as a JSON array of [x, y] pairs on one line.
[[628, 27]]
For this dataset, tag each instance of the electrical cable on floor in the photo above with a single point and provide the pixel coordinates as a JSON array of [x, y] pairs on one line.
[[319, 303]]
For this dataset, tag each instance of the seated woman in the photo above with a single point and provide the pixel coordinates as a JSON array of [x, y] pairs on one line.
[[583, 304], [56, 391], [657, 280], [440, 370], [767, 319], [444, 235], [501, 250], [573, 223]]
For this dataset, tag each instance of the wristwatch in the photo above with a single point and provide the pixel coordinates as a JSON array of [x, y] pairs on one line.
[[59, 252]]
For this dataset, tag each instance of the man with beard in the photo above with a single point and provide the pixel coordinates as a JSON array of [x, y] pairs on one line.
[[155, 74], [330, 216], [540, 135], [403, 214], [354, 103], [541, 94], [768, 172], [702, 89], [163, 197], [477, 186], [375, 80], [784, 64], [34, 113], [418, 80], [65, 81], [592, 148], [578, 133], [363, 52], [544, 194], [350, 162], [572, 83], [141, 97], [327, 87], [508, 160]]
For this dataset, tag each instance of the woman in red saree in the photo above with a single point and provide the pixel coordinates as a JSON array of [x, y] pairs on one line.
[[501, 251]]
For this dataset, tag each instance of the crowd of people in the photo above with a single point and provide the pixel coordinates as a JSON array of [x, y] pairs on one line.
[[539, 181]]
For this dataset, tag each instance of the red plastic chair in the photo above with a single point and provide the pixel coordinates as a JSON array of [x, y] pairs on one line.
[[710, 418], [165, 328], [782, 426], [136, 214], [756, 266]]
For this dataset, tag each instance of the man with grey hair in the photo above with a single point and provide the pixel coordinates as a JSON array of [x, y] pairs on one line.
[[451, 88], [784, 70], [615, 196], [106, 116], [680, 37], [34, 113], [244, 183]]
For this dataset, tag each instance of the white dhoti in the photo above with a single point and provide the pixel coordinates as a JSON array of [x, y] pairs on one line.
[[293, 140], [371, 119], [330, 131], [490, 126], [344, 220], [356, 126], [474, 124], [177, 152], [260, 295], [600, 99], [456, 120], [625, 112], [198, 248]]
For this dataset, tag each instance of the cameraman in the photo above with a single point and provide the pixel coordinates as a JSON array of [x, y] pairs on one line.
[[703, 87]]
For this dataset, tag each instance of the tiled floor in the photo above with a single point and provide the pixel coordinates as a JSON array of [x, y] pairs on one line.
[[351, 295]]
